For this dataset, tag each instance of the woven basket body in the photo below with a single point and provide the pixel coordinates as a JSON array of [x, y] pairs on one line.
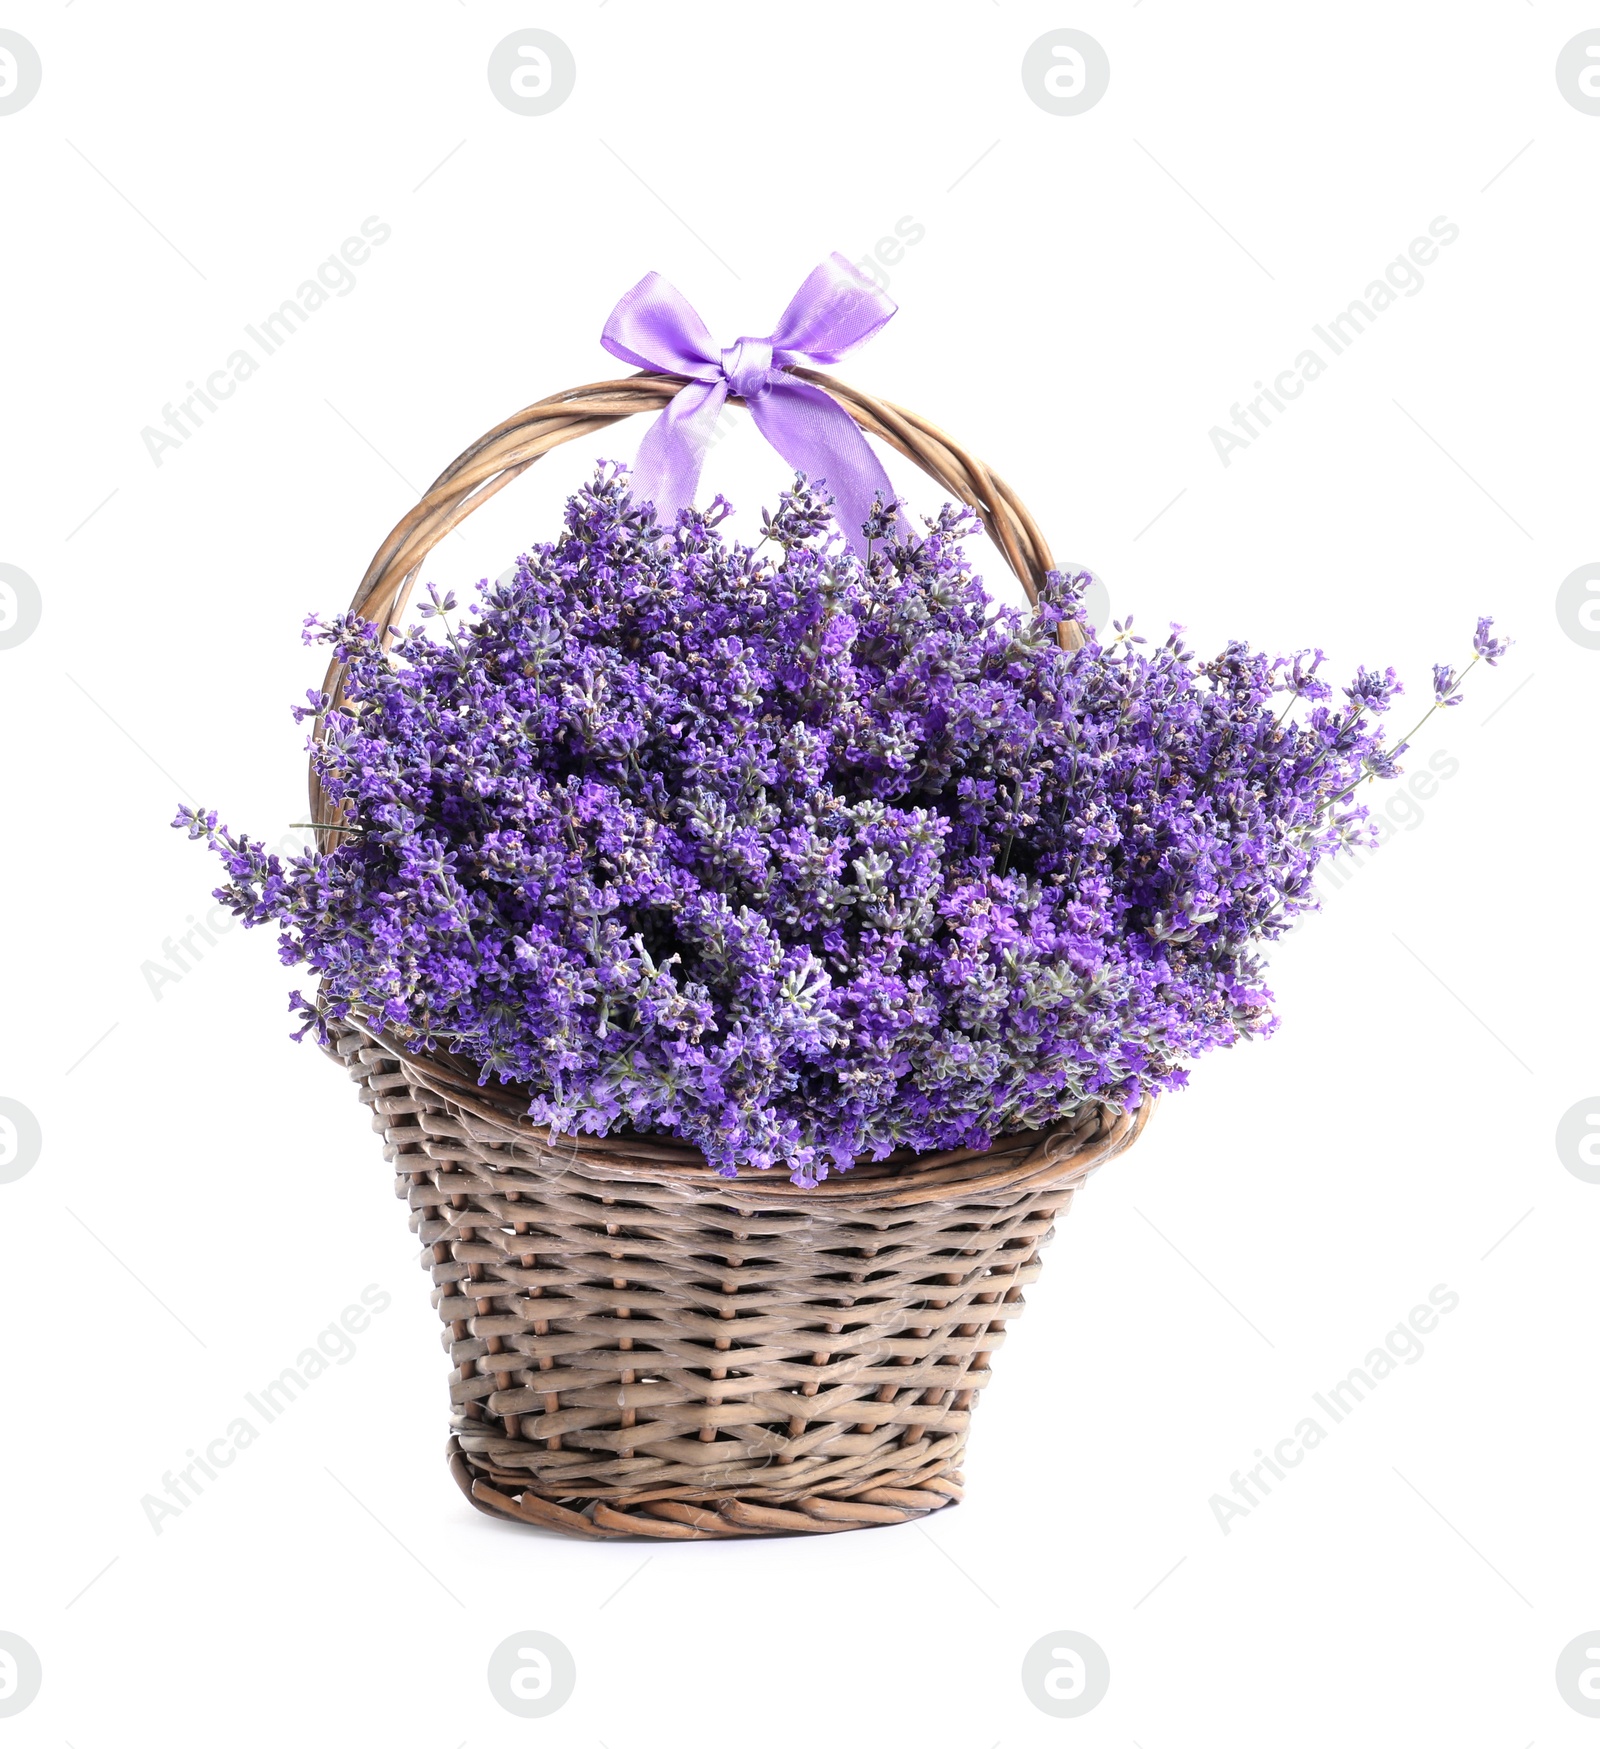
[[641, 1347]]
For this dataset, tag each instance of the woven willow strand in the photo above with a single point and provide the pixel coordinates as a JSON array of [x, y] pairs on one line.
[[641, 1347]]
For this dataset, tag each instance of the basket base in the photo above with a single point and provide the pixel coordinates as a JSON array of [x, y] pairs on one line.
[[701, 1517]]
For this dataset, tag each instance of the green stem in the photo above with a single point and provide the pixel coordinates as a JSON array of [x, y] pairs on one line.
[[1406, 740]]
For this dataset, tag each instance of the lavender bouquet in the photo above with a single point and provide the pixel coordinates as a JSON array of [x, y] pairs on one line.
[[803, 855]]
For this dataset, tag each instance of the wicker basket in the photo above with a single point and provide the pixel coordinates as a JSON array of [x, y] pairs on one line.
[[642, 1348]]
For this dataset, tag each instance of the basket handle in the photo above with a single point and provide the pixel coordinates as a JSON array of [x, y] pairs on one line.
[[517, 443]]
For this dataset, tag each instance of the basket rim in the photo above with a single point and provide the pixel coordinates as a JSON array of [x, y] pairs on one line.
[[1059, 1154]]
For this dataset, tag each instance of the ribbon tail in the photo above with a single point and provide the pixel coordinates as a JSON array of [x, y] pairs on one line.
[[813, 433], [667, 471]]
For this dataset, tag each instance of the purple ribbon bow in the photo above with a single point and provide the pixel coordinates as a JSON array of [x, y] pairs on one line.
[[656, 328]]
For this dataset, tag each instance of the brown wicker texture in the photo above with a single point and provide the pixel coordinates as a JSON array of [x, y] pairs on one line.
[[641, 1347]]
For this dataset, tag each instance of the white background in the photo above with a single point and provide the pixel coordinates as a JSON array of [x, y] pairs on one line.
[[1089, 298]]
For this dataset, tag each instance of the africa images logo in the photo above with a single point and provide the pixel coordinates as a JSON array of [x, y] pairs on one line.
[[1403, 277], [1403, 1345]]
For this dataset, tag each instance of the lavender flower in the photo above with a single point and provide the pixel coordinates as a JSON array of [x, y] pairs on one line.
[[1485, 647], [1374, 692], [799, 856], [1302, 681], [1386, 761]]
